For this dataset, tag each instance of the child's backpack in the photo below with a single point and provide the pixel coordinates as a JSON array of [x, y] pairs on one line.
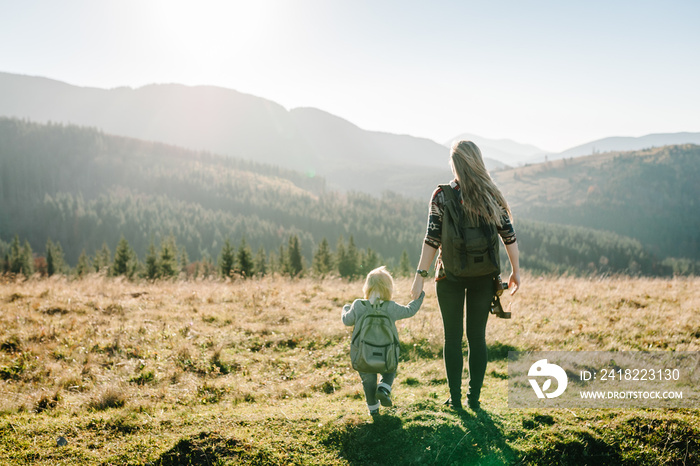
[[467, 250], [375, 343]]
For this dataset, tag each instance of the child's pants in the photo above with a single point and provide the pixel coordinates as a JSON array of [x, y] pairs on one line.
[[369, 383]]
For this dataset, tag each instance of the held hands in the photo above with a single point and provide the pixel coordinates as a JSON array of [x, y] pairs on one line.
[[417, 287], [514, 282]]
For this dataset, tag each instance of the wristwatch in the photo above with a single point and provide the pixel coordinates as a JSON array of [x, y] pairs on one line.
[[422, 273]]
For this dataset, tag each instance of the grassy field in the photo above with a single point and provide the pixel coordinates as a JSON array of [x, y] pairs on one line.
[[257, 372]]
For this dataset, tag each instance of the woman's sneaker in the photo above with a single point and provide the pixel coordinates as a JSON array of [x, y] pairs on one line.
[[384, 396]]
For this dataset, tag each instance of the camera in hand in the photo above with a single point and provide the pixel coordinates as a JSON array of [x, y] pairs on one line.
[[496, 308]]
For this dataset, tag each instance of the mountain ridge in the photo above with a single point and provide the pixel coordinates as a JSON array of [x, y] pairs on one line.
[[628, 143], [228, 122]]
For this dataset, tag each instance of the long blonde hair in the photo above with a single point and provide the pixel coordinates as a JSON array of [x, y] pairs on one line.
[[480, 195]]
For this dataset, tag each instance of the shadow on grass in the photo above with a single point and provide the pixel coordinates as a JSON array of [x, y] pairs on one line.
[[574, 447], [424, 433], [203, 448]]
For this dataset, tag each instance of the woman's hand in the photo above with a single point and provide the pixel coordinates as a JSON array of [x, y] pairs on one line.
[[417, 287], [514, 282]]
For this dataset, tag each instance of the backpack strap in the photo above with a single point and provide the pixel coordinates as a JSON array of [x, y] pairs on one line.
[[452, 203], [377, 306]]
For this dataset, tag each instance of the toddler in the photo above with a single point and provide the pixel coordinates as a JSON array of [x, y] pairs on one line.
[[378, 289]]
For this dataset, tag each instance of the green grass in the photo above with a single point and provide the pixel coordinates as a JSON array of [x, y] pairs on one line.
[[192, 373]]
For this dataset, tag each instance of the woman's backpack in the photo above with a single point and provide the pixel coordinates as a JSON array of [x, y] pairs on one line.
[[467, 250], [375, 343]]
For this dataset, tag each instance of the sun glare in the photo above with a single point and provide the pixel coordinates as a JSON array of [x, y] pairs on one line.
[[212, 28]]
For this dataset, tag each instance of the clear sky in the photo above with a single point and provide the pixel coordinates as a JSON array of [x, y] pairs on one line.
[[550, 73]]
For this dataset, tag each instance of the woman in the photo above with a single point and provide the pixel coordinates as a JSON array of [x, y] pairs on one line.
[[482, 202]]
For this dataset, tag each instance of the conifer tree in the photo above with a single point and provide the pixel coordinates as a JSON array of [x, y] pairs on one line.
[[226, 260], [206, 266], [340, 257], [273, 263], [260, 262], [167, 260], [123, 258], [27, 260], [184, 260], [103, 259], [283, 262], [50, 263], [151, 262], [296, 266], [322, 262], [370, 260], [59, 262], [83, 267], [15, 259], [348, 266], [245, 259]]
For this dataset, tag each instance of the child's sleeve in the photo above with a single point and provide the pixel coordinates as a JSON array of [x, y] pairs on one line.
[[349, 314], [404, 312]]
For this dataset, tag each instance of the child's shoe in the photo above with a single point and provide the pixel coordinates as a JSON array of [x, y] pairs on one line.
[[384, 396]]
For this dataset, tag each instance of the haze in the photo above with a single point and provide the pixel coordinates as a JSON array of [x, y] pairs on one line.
[[551, 74]]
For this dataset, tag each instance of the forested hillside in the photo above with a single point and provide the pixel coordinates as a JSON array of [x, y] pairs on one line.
[[650, 195], [83, 189]]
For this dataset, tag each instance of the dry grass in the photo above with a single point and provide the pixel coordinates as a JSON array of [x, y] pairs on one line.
[[170, 357]]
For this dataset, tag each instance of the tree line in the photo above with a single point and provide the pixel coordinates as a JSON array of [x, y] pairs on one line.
[[167, 261], [88, 188]]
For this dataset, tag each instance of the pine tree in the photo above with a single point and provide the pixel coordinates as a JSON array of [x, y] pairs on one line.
[[273, 263], [283, 262], [151, 262], [340, 257], [260, 262], [27, 260], [55, 263], [184, 260], [123, 257], [15, 259], [83, 267], [103, 259], [322, 262], [167, 260], [226, 260], [245, 259], [348, 267], [50, 264], [296, 266], [370, 260], [206, 266]]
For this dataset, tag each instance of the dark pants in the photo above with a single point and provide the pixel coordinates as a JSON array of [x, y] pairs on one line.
[[451, 296]]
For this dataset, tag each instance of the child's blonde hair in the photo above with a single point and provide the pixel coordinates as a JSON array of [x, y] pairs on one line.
[[379, 283]]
